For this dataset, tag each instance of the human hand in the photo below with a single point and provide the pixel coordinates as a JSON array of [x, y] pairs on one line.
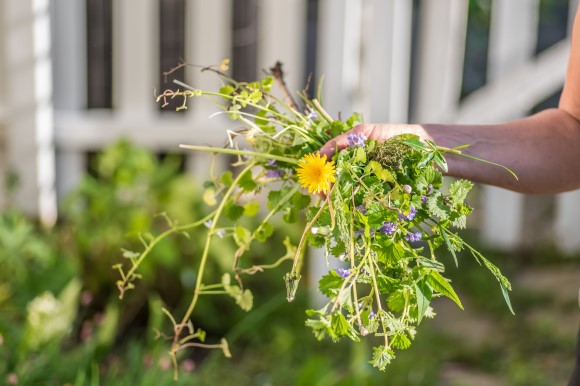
[[378, 132]]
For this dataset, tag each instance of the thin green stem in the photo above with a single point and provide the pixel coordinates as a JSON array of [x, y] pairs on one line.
[[240, 152], [203, 262]]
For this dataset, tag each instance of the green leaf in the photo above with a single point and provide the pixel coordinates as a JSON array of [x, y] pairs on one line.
[[227, 179], [233, 211], [458, 190], [382, 357], [319, 327], [242, 236], [300, 201], [251, 209], [401, 341], [247, 182], [290, 215], [423, 294], [450, 247], [390, 254], [437, 207], [441, 285], [245, 300], [360, 155], [428, 176], [330, 284], [340, 327], [267, 83], [263, 232], [226, 90]]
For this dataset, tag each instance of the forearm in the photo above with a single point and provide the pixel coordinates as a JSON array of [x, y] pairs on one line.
[[541, 149]]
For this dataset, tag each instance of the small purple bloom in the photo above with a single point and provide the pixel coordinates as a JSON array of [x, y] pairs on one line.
[[208, 223], [274, 173], [424, 199], [410, 216], [429, 189], [221, 233], [372, 232], [362, 209], [359, 233], [344, 273], [372, 315], [312, 115], [388, 228], [414, 236], [356, 139]]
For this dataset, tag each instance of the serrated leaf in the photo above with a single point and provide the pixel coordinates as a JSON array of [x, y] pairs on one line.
[[319, 327], [382, 357], [458, 191], [441, 285], [423, 294], [401, 341], [437, 207], [330, 284], [390, 254], [396, 301], [340, 327]]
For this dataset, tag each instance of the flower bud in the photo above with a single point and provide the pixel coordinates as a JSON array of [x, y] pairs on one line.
[[407, 189]]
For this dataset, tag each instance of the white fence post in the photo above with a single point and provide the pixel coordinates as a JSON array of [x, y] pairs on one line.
[[135, 57], [441, 52], [386, 62], [512, 41], [70, 84], [30, 122]]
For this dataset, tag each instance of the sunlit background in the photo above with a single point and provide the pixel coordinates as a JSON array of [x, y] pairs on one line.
[[88, 159]]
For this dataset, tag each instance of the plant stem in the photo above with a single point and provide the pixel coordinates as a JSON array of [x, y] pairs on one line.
[[240, 152]]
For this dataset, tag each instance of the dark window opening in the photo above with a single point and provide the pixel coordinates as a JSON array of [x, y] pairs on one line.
[[99, 54], [171, 47], [245, 40], [553, 23]]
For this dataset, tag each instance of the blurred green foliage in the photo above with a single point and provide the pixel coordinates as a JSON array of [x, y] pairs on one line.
[[61, 322]]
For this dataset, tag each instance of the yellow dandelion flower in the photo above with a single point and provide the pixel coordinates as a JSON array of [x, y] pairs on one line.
[[315, 173]]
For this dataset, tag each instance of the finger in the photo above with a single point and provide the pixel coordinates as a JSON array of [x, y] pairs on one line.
[[329, 147]]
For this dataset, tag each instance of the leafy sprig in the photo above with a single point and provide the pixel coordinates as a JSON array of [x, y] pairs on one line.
[[386, 217]]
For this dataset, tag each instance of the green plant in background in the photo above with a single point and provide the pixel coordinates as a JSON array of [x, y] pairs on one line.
[[378, 201]]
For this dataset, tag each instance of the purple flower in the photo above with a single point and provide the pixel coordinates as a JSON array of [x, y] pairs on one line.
[[312, 115], [221, 233], [208, 223], [388, 228], [424, 199], [274, 173], [344, 273], [362, 209], [429, 189], [372, 315], [414, 236], [356, 139], [359, 233], [410, 216], [372, 232]]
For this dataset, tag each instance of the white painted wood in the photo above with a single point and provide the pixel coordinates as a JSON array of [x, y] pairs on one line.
[[441, 53], [71, 167], [513, 32], [281, 37], [489, 103], [385, 69], [339, 53], [69, 54], [567, 221], [135, 56], [30, 122]]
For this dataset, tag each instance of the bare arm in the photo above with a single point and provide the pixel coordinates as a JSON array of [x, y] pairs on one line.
[[543, 149]]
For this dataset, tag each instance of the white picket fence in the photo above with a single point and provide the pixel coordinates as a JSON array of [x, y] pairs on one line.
[[364, 50]]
